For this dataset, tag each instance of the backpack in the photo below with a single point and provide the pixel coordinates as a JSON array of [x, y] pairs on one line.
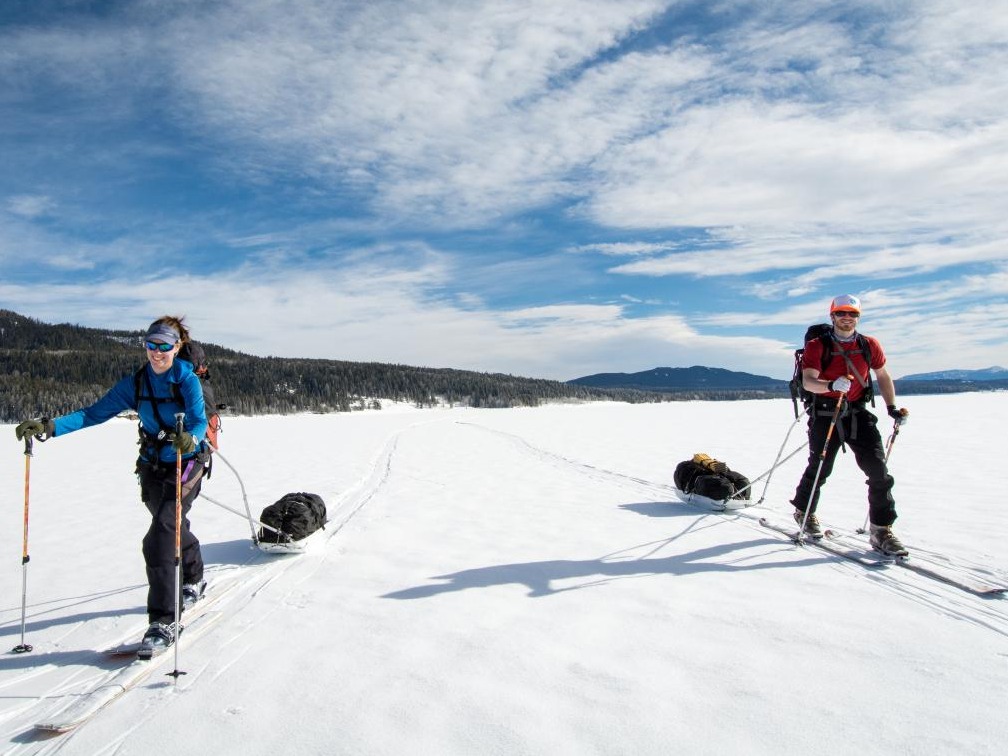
[[706, 476], [824, 332], [193, 353], [297, 515]]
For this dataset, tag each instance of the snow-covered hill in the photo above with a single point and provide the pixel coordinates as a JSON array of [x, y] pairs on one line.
[[522, 581]]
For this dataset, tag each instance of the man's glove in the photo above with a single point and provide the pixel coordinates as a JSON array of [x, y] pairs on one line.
[[184, 442], [900, 415], [38, 428], [841, 384]]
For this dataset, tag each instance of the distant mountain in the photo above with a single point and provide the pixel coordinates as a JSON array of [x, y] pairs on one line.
[[699, 382], [696, 378], [987, 374]]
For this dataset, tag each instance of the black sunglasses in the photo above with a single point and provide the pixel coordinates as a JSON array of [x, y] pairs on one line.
[[847, 314]]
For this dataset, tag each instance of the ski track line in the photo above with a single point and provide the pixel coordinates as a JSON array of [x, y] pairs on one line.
[[264, 571], [559, 460], [260, 570], [350, 504], [981, 611], [963, 566]]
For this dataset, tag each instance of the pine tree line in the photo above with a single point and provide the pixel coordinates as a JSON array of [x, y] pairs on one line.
[[48, 370]]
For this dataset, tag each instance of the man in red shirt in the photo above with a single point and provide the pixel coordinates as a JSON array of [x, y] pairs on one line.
[[846, 372]]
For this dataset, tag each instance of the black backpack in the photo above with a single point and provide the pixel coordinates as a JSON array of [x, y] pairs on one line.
[[193, 353], [824, 332], [297, 515]]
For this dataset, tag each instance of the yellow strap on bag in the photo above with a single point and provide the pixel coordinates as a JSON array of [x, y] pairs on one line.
[[710, 463]]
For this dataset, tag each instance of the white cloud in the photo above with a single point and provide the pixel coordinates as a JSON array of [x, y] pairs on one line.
[[624, 249], [30, 206]]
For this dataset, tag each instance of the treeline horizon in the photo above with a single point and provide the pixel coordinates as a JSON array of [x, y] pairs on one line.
[[47, 370]]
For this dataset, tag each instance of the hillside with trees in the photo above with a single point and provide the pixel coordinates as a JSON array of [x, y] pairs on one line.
[[47, 370]]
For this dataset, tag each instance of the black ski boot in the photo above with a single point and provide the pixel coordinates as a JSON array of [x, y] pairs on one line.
[[158, 638], [191, 593]]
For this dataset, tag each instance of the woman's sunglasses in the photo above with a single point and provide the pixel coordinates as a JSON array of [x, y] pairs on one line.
[[155, 346]]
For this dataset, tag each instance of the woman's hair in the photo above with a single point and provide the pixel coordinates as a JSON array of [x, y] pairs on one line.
[[176, 322]]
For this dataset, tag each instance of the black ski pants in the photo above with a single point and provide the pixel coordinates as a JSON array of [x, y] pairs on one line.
[[157, 491], [858, 429]]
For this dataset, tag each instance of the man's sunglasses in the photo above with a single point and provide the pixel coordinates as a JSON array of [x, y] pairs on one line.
[[155, 346], [847, 314]]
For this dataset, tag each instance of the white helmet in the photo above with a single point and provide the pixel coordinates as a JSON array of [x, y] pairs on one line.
[[847, 302]]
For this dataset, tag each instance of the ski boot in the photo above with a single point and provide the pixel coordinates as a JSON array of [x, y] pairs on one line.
[[812, 527], [158, 638], [883, 540], [191, 593]]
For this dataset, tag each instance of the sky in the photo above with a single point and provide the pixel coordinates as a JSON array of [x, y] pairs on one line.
[[521, 581], [543, 189]]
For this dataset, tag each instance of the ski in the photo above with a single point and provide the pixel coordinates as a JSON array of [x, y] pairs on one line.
[[833, 543], [826, 544], [198, 620], [90, 703], [969, 586], [942, 575]]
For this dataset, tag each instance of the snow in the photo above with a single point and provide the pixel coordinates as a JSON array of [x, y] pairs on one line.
[[521, 582]]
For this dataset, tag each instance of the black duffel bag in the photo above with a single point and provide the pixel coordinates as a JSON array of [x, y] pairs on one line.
[[297, 515], [706, 476]]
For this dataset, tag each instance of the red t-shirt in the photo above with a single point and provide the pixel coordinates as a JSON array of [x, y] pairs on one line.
[[837, 365]]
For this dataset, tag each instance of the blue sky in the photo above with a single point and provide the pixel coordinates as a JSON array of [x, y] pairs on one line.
[[541, 188]]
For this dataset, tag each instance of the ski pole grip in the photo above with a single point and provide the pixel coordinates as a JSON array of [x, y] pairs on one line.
[[179, 417], [28, 445]]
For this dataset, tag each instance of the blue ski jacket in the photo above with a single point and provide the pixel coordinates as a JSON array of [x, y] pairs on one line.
[[123, 396]]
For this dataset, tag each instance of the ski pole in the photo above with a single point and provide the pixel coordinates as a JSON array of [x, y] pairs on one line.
[[23, 647], [179, 417], [822, 459], [777, 461], [889, 445]]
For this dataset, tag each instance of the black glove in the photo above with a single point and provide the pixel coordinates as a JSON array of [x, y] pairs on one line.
[[183, 442], [41, 429], [899, 415]]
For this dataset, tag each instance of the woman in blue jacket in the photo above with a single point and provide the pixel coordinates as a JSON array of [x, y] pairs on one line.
[[163, 387]]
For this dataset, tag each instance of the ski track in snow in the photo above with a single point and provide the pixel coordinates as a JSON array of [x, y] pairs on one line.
[[261, 571], [986, 612], [288, 572]]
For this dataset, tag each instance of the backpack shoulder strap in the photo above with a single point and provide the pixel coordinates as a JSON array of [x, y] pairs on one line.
[[826, 339], [141, 380], [832, 348], [866, 353]]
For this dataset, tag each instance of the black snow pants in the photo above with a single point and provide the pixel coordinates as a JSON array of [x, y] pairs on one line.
[[858, 429], [157, 491]]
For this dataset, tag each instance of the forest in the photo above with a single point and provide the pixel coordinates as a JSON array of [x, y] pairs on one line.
[[48, 370]]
